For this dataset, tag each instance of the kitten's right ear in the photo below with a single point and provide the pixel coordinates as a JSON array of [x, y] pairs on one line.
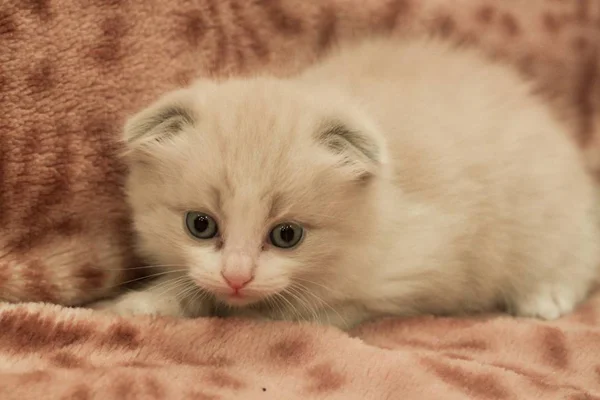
[[157, 123]]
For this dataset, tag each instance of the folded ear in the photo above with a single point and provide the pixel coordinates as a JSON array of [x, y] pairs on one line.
[[360, 150], [158, 122]]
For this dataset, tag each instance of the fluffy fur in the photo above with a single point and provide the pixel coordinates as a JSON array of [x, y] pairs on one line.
[[428, 179]]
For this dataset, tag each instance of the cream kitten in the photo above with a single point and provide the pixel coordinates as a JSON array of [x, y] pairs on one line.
[[392, 178]]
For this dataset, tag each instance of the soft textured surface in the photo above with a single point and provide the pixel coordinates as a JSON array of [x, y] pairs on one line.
[[47, 352], [70, 71]]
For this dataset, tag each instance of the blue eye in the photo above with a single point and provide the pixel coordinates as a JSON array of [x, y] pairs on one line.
[[286, 235], [200, 225]]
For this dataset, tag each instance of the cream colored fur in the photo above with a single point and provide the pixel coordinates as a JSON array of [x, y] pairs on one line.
[[469, 197]]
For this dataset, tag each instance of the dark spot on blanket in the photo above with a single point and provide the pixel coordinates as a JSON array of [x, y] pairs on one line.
[[37, 283], [579, 44], [323, 378], [90, 277], [41, 79], [80, 392], [583, 10], [109, 3], [25, 332], [394, 10], [485, 14], [281, 19], [552, 343], [38, 7], [474, 384], [7, 23], [137, 364], [435, 344], [193, 28], [293, 350], [327, 29], [5, 275], [124, 386], [109, 48], [222, 379], [154, 388], [527, 64], [101, 133], [551, 23], [64, 359], [40, 204], [197, 395], [444, 25], [510, 25], [122, 334], [67, 226], [246, 24]]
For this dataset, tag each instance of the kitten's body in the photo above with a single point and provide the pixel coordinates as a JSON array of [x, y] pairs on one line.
[[452, 189]]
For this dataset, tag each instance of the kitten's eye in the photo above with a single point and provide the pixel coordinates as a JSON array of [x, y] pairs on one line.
[[286, 235], [200, 225]]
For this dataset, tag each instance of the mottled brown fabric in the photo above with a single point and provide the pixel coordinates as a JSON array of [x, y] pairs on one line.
[[48, 352], [72, 70]]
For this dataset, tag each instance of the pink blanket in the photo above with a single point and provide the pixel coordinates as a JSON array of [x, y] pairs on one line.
[[49, 352]]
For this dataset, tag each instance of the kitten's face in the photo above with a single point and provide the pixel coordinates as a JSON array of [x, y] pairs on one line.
[[252, 188]]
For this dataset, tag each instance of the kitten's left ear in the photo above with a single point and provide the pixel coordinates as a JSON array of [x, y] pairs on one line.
[[159, 122], [360, 149]]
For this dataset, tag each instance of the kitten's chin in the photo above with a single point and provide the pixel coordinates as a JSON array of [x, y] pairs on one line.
[[237, 300]]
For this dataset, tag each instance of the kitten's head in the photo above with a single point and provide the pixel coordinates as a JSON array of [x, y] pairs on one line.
[[254, 187]]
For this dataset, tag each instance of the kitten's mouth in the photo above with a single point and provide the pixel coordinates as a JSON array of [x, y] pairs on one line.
[[235, 297]]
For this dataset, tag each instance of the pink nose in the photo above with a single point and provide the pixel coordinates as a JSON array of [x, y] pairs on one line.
[[237, 281]]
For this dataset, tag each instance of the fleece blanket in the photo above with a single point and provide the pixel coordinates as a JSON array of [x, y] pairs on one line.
[[47, 352], [72, 70]]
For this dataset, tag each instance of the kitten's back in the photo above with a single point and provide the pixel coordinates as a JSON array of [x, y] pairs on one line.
[[467, 136]]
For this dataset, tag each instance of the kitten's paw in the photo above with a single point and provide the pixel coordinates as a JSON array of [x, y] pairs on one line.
[[548, 302], [139, 303]]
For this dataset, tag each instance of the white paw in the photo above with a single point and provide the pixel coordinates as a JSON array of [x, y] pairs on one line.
[[140, 303], [548, 302]]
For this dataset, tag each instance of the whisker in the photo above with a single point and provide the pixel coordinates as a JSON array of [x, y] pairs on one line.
[[186, 293], [141, 267], [141, 278], [297, 295], [280, 307], [171, 284], [327, 288], [323, 302], [293, 309]]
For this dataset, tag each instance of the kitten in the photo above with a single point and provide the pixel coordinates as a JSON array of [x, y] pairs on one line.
[[394, 177]]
